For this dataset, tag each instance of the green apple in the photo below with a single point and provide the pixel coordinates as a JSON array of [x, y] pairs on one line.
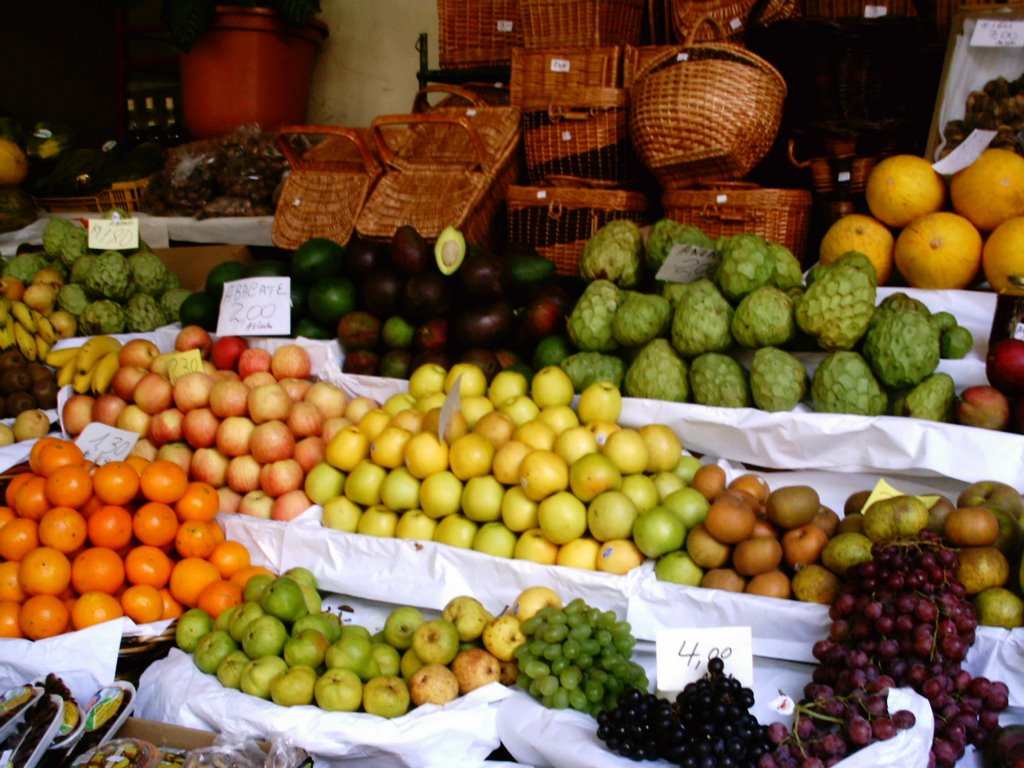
[[436, 641], [223, 620], [592, 474], [364, 482], [284, 599], [455, 531], [323, 483], [259, 673], [666, 483], [338, 690], [575, 443], [481, 499], [678, 568], [307, 648], [414, 524], [229, 673], [502, 636], [378, 520], [519, 408], [495, 538], [845, 551], [386, 696], [326, 623], [341, 514], [518, 511], [610, 515], [468, 615], [351, 651], [400, 625], [192, 626], [506, 385], [247, 613], [400, 490], [687, 467], [642, 490], [311, 596], [441, 494], [264, 636], [689, 504], [601, 401], [295, 687], [387, 658], [562, 517], [551, 386], [658, 531], [212, 649], [356, 629], [410, 663]]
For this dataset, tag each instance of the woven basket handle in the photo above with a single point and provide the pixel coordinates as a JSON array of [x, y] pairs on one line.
[[420, 103], [297, 161], [720, 31], [580, 103], [791, 154], [390, 157]]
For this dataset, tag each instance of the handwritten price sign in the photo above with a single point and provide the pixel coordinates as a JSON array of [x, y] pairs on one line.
[[102, 444], [114, 234], [688, 263], [683, 654], [256, 306], [998, 33], [184, 362]]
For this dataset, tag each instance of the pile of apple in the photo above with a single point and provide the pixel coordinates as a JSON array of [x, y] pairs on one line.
[[250, 423], [281, 645]]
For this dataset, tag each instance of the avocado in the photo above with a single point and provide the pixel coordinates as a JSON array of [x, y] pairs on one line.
[[433, 334], [362, 361], [222, 273], [396, 364], [200, 309], [382, 291], [317, 258], [527, 267], [486, 326], [426, 295], [330, 299], [268, 268], [362, 257], [431, 357], [409, 252], [309, 328], [484, 359], [484, 275], [358, 330], [449, 250], [299, 297]]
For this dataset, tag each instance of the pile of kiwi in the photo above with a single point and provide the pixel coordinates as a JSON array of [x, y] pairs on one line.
[[25, 385]]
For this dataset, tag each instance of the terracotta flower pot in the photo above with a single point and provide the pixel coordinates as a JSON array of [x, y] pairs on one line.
[[248, 67]]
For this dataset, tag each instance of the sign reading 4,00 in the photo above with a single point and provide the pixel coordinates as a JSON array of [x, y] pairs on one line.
[[256, 306], [683, 654]]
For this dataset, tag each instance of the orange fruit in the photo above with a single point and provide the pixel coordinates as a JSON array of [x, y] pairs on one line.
[[18, 537], [142, 603], [216, 531], [116, 483], [155, 523], [97, 569], [199, 502], [30, 498], [9, 626], [990, 190], [95, 608], [6, 513], [69, 486], [146, 565], [110, 526], [229, 557], [10, 585], [55, 454], [44, 571], [219, 595], [164, 481], [33, 455], [939, 250], [172, 608], [15, 483], [63, 528], [195, 538], [137, 462], [903, 187], [242, 575], [188, 578], [90, 506], [43, 616]]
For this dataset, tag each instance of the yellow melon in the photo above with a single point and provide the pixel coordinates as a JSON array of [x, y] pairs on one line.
[[939, 250], [1003, 254], [13, 163], [902, 188], [990, 190], [857, 232]]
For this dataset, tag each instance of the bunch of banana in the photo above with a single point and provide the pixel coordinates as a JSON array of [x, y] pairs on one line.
[[88, 368], [27, 329]]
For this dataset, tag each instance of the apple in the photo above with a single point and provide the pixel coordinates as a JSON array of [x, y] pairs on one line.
[[456, 531], [468, 615], [559, 418], [481, 499], [518, 512], [496, 539], [520, 409], [387, 658], [534, 546], [678, 568], [599, 402], [165, 427], [290, 505], [687, 467], [983, 406], [323, 483], [179, 453], [441, 494], [619, 556], [352, 651], [433, 684], [259, 673], [209, 465], [508, 460], [667, 483], [290, 361], [226, 350], [415, 524], [610, 515], [562, 517], [658, 531], [689, 504], [386, 696], [243, 474], [107, 407], [229, 499], [476, 667], [137, 352], [1004, 366], [279, 477], [575, 443], [436, 641], [153, 393], [192, 391], [502, 636], [845, 551], [593, 474], [328, 398], [194, 337], [124, 381], [252, 361], [506, 384], [364, 482], [346, 448], [642, 490], [377, 520], [229, 673], [532, 600], [803, 545], [256, 504], [304, 419], [628, 451], [581, 553], [229, 398], [338, 690], [306, 647], [496, 426]]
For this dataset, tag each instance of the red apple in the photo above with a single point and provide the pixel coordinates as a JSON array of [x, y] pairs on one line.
[[134, 419], [124, 381], [192, 391], [194, 337], [243, 474], [77, 413], [107, 407], [179, 453], [209, 466], [982, 406], [259, 379], [253, 360], [290, 361], [226, 351], [144, 447], [290, 505], [140, 352], [166, 427], [296, 388], [229, 398], [1004, 366], [310, 451], [272, 441], [304, 419], [229, 499], [280, 477], [233, 435], [200, 428], [329, 398], [153, 393], [269, 402]]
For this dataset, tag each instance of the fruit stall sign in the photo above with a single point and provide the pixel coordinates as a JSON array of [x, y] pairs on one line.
[[998, 33], [884, 490], [115, 234], [688, 263], [181, 363], [452, 404], [683, 654], [256, 306], [102, 443], [966, 152]]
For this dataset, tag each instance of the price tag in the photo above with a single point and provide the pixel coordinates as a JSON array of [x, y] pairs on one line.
[[966, 153], [504, 25], [998, 33], [883, 490], [542, 194], [115, 234], [688, 263], [566, 135], [256, 306], [102, 444], [181, 363], [560, 65], [735, 24], [683, 654], [875, 11], [843, 176], [452, 404]]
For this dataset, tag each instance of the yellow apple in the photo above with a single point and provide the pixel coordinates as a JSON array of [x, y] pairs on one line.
[[562, 517], [542, 473], [575, 442], [470, 378], [347, 448], [534, 547], [601, 401], [532, 599], [518, 511], [426, 380], [505, 385], [482, 498], [628, 450], [441, 494], [663, 447], [475, 408], [551, 386], [619, 556], [581, 554]]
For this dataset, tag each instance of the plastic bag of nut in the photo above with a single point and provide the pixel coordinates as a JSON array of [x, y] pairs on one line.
[[230, 751], [187, 182], [250, 165]]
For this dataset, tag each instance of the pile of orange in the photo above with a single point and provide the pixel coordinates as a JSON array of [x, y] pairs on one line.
[[83, 544]]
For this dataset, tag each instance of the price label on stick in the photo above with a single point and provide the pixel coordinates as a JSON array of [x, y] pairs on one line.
[[102, 444], [181, 363], [115, 234], [683, 654], [452, 404], [256, 306], [688, 263]]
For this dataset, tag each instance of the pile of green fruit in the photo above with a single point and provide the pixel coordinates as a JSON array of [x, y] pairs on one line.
[[685, 341]]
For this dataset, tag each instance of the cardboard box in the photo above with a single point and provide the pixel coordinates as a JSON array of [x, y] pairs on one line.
[[193, 263], [177, 737]]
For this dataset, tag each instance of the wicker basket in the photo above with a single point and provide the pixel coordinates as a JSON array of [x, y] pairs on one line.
[[731, 14], [125, 195], [440, 170], [329, 182], [779, 215], [709, 112], [565, 23], [477, 33], [840, 174], [558, 220]]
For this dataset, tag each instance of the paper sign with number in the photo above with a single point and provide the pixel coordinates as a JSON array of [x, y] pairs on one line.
[[966, 152], [114, 234], [452, 404], [181, 363], [688, 263], [102, 444], [683, 654], [998, 33], [256, 306]]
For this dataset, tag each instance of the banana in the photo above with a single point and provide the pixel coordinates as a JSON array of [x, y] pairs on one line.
[[7, 333], [42, 348], [80, 381], [26, 342], [95, 348], [23, 315], [66, 373], [45, 330], [5, 308], [57, 358], [103, 372]]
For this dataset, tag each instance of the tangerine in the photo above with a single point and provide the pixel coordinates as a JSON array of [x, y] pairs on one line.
[[93, 608], [14, 484], [172, 608], [10, 585], [97, 569], [6, 513], [44, 571], [68, 486], [195, 538], [43, 616], [110, 526], [147, 565], [30, 498], [33, 455], [230, 557], [218, 596], [199, 502], [9, 626], [137, 462], [116, 482], [155, 523], [142, 603], [163, 481], [18, 537], [64, 529], [188, 578], [55, 454], [242, 575]]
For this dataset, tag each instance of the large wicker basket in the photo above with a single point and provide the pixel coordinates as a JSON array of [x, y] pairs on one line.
[[552, 24], [558, 220], [779, 215], [705, 112], [477, 33], [731, 14], [332, 172]]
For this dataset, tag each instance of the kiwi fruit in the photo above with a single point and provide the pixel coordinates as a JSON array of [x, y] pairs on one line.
[[45, 393], [12, 358], [39, 372], [15, 380], [18, 402]]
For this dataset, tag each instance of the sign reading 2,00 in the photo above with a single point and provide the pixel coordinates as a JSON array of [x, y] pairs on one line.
[[256, 306]]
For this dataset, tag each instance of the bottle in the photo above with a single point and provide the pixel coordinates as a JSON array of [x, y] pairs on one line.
[[174, 132], [153, 130], [136, 134], [1008, 320]]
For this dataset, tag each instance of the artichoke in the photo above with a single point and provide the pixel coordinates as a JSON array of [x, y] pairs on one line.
[[24, 266]]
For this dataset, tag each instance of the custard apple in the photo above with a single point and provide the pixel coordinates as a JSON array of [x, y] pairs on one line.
[[149, 273], [787, 271], [746, 264], [701, 320], [932, 399], [901, 346], [101, 317], [674, 292], [81, 268], [585, 368], [614, 253], [170, 302], [110, 276], [837, 307], [665, 234], [143, 313], [72, 298], [659, 373], [53, 235], [590, 322], [639, 318], [74, 245], [843, 383], [719, 380], [778, 381], [763, 318]]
